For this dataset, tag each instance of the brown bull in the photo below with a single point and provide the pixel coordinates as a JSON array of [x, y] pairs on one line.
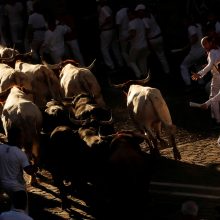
[[45, 84], [75, 80], [10, 77], [19, 111]]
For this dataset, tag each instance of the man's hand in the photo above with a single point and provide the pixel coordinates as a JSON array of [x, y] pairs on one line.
[[195, 76]]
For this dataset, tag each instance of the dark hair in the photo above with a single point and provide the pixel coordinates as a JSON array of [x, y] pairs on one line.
[[14, 136], [19, 199]]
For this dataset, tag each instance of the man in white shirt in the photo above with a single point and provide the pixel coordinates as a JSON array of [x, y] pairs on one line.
[[213, 51], [139, 50], [108, 36], [35, 32], [122, 21], [54, 43], [196, 53], [154, 35]]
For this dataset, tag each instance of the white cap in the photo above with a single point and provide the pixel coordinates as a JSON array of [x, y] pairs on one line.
[[140, 7]]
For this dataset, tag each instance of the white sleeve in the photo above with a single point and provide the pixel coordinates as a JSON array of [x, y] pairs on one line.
[[209, 66]]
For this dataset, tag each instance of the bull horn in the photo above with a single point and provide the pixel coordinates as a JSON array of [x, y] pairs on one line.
[[50, 66], [90, 67], [27, 54], [131, 82], [76, 121]]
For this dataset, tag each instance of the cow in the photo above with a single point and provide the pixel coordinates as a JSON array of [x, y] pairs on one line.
[[149, 112], [9, 77], [20, 111], [75, 80], [45, 85]]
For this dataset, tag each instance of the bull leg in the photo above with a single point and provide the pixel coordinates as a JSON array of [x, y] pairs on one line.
[[157, 128], [176, 152], [153, 148]]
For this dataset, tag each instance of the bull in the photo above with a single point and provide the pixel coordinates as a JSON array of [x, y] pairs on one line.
[[75, 80], [127, 171], [149, 112], [20, 111], [45, 85], [9, 77]]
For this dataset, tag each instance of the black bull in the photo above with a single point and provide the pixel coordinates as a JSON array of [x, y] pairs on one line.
[[114, 165]]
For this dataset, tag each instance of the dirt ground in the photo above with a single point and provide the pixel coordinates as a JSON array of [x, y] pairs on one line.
[[196, 177]]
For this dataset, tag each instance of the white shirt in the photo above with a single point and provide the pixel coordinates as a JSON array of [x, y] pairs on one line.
[[152, 26], [37, 22], [14, 12], [122, 22], [139, 41], [15, 214], [12, 162], [213, 60], [54, 40], [104, 13]]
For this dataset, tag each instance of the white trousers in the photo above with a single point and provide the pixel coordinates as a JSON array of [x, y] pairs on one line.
[[215, 87], [75, 50], [158, 48], [109, 42], [138, 60]]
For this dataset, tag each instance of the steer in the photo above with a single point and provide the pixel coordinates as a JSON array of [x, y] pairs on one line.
[[76, 80], [19, 111], [149, 111], [45, 84]]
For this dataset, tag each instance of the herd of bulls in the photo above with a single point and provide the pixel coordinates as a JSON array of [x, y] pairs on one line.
[[68, 129]]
